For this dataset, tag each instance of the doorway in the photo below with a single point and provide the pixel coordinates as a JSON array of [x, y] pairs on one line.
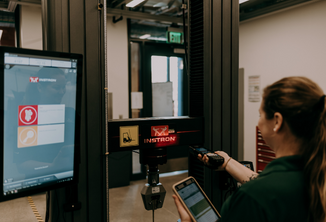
[[157, 73], [167, 85]]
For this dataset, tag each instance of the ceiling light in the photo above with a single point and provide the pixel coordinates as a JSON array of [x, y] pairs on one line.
[[160, 4], [1, 31], [242, 1], [145, 36], [134, 3]]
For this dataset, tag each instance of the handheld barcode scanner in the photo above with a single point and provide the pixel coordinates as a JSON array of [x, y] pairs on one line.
[[214, 159], [152, 136]]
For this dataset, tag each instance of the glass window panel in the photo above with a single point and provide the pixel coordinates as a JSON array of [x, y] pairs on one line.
[[136, 166], [135, 73], [159, 69], [174, 70]]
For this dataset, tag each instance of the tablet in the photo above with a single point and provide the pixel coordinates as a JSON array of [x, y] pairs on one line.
[[195, 201]]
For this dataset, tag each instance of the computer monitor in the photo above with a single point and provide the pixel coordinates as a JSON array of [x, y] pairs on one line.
[[40, 100]]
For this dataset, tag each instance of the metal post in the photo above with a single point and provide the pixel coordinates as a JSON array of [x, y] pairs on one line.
[[79, 27]]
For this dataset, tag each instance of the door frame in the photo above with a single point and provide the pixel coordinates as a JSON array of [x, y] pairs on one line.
[[147, 49], [158, 49]]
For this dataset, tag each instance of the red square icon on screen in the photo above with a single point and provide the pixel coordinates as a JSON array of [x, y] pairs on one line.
[[27, 115], [160, 130]]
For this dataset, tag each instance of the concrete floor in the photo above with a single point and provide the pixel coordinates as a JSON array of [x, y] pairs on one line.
[[125, 204], [20, 210]]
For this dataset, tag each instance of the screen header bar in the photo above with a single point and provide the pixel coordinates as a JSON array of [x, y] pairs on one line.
[[18, 60]]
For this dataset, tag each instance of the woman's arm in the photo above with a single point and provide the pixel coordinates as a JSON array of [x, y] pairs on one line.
[[238, 171]]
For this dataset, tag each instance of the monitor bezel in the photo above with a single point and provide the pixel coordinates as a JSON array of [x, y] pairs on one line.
[[42, 188]]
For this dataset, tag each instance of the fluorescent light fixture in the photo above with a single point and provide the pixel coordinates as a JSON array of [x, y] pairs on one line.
[[145, 36], [242, 1], [160, 4], [1, 31], [134, 3]]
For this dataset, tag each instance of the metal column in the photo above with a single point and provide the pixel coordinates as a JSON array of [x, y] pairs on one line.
[[213, 81], [221, 65], [79, 27]]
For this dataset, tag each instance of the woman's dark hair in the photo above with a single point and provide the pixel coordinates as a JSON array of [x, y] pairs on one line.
[[302, 105]]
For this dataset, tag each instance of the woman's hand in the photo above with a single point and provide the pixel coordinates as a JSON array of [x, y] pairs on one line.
[[204, 159], [184, 216]]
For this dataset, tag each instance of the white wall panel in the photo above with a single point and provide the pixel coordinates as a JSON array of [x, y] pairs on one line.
[[289, 43], [31, 27], [117, 63]]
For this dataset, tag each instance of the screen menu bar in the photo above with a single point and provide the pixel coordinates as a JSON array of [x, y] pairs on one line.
[[10, 187], [11, 59]]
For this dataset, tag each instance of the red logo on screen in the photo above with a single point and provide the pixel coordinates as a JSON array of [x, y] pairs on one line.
[[160, 130], [33, 79], [27, 115]]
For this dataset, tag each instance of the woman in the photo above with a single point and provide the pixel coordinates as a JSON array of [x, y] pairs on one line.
[[292, 187]]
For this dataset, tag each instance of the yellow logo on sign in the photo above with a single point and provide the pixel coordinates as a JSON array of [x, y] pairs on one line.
[[129, 136]]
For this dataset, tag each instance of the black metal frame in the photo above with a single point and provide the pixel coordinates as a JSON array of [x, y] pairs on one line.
[[219, 82], [249, 10], [222, 49], [160, 49], [79, 27], [147, 49], [221, 59], [17, 25]]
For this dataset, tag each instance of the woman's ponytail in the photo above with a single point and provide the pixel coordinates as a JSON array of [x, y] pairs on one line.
[[315, 169]]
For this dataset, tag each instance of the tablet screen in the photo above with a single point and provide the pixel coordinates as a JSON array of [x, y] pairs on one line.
[[196, 201]]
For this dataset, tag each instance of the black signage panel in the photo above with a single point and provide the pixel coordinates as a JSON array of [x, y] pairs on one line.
[[147, 133]]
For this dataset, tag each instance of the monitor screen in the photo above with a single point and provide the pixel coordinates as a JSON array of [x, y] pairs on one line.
[[40, 103]]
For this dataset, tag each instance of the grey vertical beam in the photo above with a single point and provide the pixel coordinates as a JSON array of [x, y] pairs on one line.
[[78, 27], [208, 92], [65, 25], [44, 4], [226, 76], [105, 129], [235, 78], [78, 46], [221, 23], [217, 83], [241, 115], [94, 25], [207, 69], [216, 97], [58, 32]]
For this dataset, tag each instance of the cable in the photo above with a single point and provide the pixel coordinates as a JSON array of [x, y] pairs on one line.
[[154, 201], [230, 190], [234, 184], [63, 215], [185, 36], [56, 196], [225, 195], [47, 206]]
